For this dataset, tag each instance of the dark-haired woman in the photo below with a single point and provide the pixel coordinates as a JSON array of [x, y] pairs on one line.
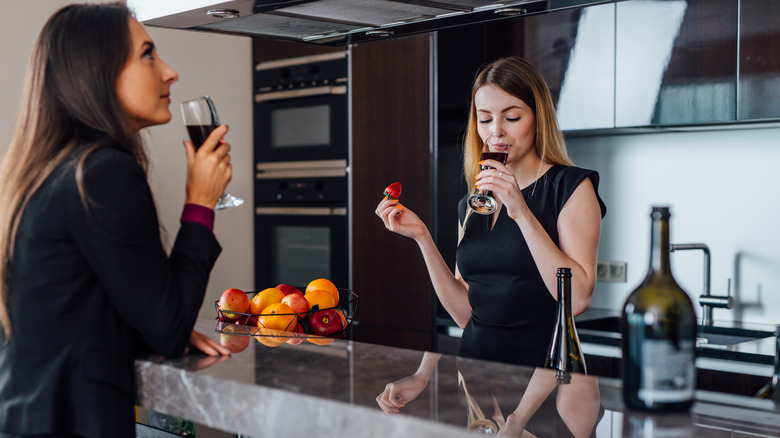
[[86, 280]]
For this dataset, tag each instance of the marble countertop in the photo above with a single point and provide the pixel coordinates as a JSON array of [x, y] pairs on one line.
[[275, 388]]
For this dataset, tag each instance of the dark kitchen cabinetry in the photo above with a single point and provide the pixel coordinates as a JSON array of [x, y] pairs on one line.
[[392, 140], [709, 380], [759, 60], [651, 63], [574, 50], [675, 62]]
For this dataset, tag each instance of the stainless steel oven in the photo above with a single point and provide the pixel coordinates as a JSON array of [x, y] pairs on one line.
[[301, 108], [301, 223]]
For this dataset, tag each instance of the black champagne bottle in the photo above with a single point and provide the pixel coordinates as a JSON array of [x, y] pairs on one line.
[[772, 389], [659, 333], [565, 353]]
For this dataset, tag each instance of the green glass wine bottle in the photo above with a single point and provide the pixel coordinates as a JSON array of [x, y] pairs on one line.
[[659, 333], [565, 353]]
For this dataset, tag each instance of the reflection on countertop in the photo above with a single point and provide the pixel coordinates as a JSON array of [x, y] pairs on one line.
[[304, 389]]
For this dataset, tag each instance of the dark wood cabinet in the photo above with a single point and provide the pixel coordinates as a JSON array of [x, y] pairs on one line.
[[391, 141], [759, 60]]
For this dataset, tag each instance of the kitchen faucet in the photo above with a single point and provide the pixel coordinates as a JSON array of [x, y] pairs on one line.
[[707, 301]]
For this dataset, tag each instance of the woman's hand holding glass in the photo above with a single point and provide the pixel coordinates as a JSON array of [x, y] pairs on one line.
[[208, 169], [500, 181], [202, 121], [482, 200]]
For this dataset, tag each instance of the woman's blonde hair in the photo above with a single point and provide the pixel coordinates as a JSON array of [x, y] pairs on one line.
[[69, 108], [519, 78]]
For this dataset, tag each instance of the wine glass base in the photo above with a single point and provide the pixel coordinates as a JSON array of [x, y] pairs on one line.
[[227, 201], [482, 204]]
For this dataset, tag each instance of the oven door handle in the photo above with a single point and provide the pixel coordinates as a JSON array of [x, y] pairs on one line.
[[301, 211], [303, 92]]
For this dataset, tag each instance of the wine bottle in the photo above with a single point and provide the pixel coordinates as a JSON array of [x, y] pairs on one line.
[[659, 333], [565, 353], [771, 390]]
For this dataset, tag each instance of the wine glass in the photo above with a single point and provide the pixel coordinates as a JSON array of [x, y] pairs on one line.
[[200, 117], [482, 201]]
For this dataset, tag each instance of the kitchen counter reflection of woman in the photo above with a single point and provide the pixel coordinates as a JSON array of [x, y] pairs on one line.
[[87, 283], [504, 289]]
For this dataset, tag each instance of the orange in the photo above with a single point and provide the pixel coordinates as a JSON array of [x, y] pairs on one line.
[[320, 298], [319, 340], [326, 285], [343, 318], [278, 316], [271, 338], [265, 298]]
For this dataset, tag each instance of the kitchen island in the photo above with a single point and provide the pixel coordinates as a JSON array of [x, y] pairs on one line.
[[275, 388]]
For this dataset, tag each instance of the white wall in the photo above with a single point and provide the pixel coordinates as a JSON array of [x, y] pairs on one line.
[[218, 65], [721, 187]]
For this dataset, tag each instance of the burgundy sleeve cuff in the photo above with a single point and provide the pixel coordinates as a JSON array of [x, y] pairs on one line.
[[198, 214]]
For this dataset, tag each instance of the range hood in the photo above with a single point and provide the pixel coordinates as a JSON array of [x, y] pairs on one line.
[[335, 22]]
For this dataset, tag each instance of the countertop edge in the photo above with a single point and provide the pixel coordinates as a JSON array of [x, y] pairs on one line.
[[242, 408]]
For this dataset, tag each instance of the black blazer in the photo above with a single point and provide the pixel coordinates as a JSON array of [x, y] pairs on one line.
[[87, 285]]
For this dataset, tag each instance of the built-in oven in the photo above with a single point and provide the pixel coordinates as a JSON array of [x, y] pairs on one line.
[[301, 223], [301, 171], [301, 108]]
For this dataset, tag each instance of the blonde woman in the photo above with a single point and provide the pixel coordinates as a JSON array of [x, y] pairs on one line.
[[504, 290]]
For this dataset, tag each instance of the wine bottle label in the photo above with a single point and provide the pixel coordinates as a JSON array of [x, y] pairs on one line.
[[667, 371]]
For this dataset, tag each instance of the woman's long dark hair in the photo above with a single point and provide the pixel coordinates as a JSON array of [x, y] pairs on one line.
[[69, 108]]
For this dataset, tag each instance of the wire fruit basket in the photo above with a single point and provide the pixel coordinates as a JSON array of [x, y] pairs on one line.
[[316, 321]]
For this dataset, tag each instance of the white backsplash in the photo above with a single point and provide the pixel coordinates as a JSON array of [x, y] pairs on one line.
[[722, 187]]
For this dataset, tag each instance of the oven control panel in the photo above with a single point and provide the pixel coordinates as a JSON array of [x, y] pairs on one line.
[[301, 191], [301, 73]]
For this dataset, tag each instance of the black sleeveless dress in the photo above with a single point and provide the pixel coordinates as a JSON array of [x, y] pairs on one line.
[[513, 315]]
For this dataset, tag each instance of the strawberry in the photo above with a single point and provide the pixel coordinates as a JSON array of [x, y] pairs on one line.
[[393, 191]]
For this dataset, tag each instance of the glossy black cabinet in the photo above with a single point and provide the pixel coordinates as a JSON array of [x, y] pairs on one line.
[[574, 50], [650, 63], [759, 60], [675, 62]]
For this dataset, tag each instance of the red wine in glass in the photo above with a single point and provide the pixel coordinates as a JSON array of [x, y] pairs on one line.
[[498, 156], [482, 201], [200, 118], [199, 133]]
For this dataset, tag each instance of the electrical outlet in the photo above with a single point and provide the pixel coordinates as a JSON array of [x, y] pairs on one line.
[[617, 271], [602, 271], [612, 271]]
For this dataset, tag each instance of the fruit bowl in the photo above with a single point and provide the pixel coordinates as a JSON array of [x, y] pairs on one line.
[[315, 321]]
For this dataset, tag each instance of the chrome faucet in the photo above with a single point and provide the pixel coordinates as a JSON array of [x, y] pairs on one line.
[[706, 300]]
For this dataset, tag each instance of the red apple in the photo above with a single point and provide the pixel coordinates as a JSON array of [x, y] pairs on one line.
[[298, 337], [245, 320], [235, 337], [327, 322], [287, 289], [233, 300], [298, 303], [225, 319]]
